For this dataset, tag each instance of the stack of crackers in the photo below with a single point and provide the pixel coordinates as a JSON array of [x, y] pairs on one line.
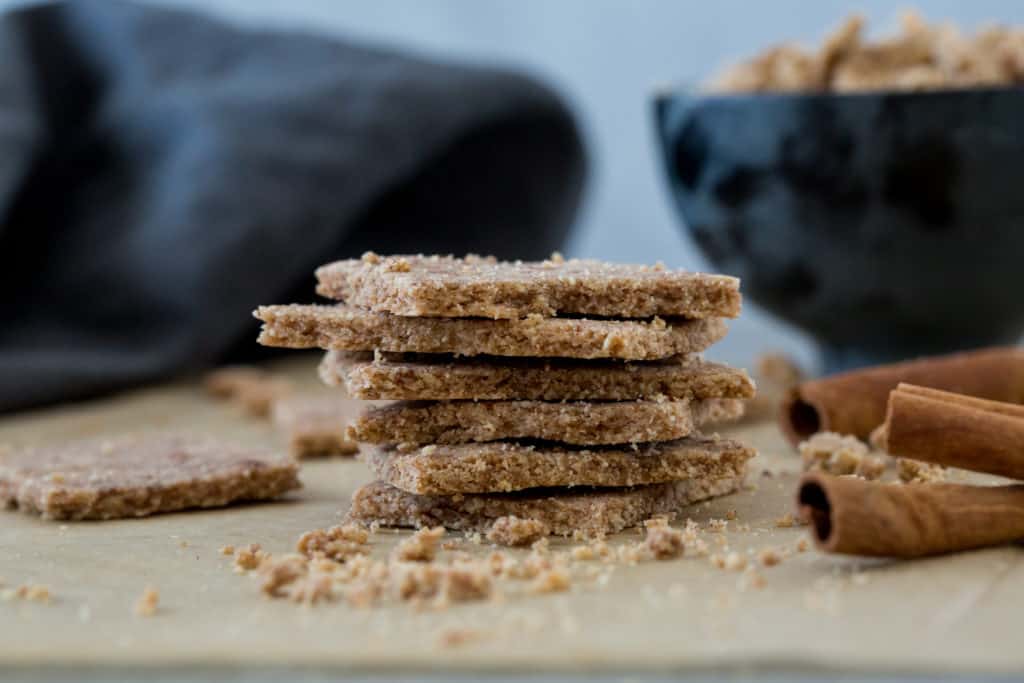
[[568, 394]]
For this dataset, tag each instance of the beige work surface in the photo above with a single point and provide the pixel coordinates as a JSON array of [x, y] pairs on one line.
[[815, 614]]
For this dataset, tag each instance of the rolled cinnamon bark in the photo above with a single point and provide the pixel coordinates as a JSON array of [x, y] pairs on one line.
[[852, 516], [855, 402], [954, 430]]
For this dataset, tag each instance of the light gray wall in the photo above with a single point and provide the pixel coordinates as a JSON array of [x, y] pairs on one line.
[[607, 56]]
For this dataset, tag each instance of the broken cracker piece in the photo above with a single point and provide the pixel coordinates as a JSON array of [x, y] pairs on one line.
[[139, 475], [316, 425], [252, 388]]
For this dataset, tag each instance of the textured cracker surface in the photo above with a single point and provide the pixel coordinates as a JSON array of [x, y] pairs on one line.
[[139, 475], [442, 377], [490, 467], [592, 512], [575, 422], [474, 286], [344, 328]]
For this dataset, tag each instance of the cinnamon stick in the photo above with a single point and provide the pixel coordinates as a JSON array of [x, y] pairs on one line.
[[954, 430], [855, 402], [857, 517]]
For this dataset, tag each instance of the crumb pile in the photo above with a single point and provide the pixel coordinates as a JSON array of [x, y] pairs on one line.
[[922, 57], [530, 398]]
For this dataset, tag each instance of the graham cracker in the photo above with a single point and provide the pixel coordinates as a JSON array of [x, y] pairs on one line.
[[573, 422], [315, 425], [502, 467], [484, 287], [351, 329], [593, 512], [443, 377], [139, 475]]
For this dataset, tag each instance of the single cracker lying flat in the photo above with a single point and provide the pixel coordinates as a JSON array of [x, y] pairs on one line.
[[139, 475], [493, 467], [593, 512], [351, 329], [572, 422], [442, 377], [315, 425], [474, 286]]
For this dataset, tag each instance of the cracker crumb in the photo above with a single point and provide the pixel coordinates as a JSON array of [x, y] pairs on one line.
[[363, 594], [312, 588], [583, 553], [730, 515], [148, 602], [840, 455], [339, 543], [718, 526], [632, 553], [735, 562], [417, 581], [467, 583], [249, 558], [769, 557], [35, 592], [802, 545], [917, 472], [514, 531], [421, 546], [663, 542], [751, 578], [553, 580], [785, 521], [280, 572], [456, 637], [227, 550]]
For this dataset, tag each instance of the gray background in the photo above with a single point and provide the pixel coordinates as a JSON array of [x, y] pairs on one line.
[[606, 57]]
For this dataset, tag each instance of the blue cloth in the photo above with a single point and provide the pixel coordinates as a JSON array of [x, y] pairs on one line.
[[162, 173]]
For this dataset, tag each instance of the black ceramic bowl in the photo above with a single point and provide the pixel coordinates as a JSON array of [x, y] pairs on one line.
[[888, 225]]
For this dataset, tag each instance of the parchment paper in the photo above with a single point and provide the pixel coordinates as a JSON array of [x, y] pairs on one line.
[[815, 613]]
